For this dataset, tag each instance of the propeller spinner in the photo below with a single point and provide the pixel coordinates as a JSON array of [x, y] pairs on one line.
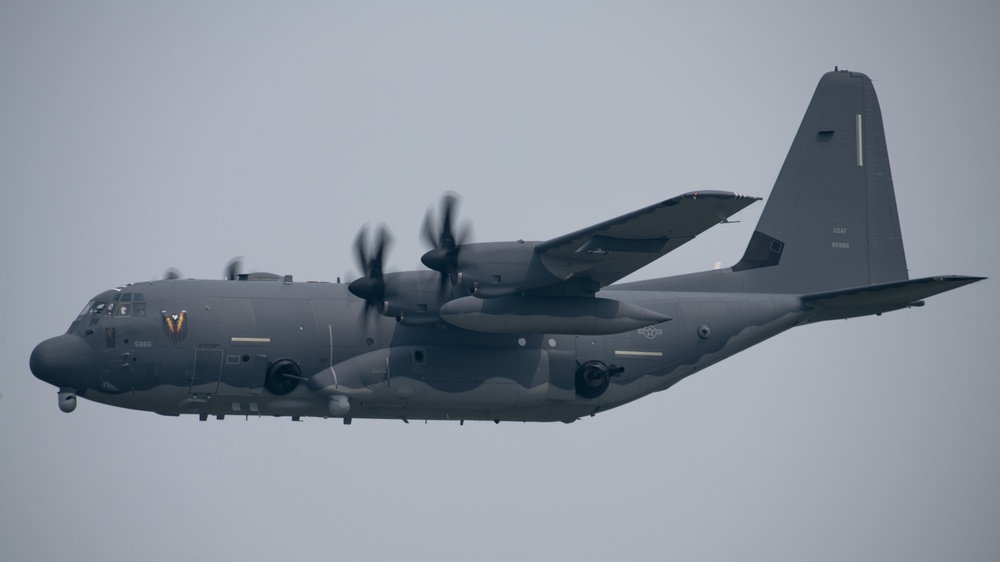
[[444, 241], [371, 245]]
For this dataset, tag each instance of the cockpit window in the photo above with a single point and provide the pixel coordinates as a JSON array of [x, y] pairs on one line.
[[97, 307], [129, 304], [121, 304], [89, 309], [131, 309]]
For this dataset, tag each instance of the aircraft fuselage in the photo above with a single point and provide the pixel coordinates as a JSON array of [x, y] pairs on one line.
[[212, 348]]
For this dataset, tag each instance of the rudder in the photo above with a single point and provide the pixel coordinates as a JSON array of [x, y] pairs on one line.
[[831, 220]]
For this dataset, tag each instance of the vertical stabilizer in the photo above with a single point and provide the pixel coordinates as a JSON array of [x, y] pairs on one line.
[[830, 221]]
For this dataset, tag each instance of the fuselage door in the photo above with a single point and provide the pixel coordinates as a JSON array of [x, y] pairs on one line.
[[117, 375], [207, 371]]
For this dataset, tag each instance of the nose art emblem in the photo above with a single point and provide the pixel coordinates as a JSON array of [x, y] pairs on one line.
[[175, 325]]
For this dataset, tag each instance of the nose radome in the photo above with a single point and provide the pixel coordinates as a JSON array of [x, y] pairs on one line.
[[62, 361]]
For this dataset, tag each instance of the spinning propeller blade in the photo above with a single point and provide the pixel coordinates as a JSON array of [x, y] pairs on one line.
[[371, 246], [444, 241], [234, 268]]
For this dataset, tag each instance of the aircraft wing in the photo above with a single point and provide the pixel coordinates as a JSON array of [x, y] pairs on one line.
[[608, 251]]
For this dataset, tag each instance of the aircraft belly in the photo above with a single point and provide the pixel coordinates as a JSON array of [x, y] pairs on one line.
[[531, 379], [487, 380], [474, 379]]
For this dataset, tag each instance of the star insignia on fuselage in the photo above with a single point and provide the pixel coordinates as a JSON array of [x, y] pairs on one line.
[[650, 332]]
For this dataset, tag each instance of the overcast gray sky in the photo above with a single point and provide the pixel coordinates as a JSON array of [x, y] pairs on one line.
[[140, 136]]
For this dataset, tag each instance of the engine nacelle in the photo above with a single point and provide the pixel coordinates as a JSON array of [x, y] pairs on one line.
[[494, 269], [414, 297]]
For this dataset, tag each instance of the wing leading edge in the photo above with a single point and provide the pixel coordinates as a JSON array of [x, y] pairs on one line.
[[610, 250]]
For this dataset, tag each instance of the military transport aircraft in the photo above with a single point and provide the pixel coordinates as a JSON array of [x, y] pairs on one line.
[[514, 331]]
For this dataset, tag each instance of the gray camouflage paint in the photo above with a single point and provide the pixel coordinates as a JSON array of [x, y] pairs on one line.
[[828, 246]]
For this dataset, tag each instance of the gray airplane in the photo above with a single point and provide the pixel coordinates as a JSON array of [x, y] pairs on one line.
[[514, 331]]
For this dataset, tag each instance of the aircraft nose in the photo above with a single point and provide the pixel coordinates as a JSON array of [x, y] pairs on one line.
[[62, 361]]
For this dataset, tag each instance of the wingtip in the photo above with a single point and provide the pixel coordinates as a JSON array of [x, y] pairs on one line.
[[716, 194], [964, 279]]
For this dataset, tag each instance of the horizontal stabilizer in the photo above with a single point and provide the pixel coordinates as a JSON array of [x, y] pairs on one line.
[[885, 297]]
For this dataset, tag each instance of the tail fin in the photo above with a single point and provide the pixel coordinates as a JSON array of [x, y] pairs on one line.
[[830, 221]]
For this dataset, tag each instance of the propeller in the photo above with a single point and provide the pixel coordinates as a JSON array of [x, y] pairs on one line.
[[444, 241], [371, 245], [234, 268]]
